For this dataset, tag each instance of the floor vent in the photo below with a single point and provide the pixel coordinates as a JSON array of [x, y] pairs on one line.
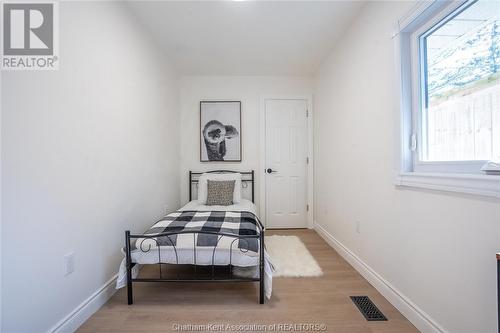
[[368, 309]]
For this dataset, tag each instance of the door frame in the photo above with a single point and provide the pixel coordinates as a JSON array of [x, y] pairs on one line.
[[310, 153]]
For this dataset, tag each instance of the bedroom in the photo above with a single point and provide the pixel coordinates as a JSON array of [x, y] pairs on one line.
[[104, 141]]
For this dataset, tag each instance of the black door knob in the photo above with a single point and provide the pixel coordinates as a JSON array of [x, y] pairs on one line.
[[269, 170]]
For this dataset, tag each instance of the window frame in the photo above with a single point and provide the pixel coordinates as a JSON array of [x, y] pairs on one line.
[[412, 170]]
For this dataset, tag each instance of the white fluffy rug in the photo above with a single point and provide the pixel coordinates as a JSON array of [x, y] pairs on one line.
[[290, 257]]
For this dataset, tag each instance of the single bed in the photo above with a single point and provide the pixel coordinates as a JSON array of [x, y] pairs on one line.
[[230, 238]]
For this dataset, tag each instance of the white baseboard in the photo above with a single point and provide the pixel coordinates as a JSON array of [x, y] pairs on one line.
[[410, 310], [87, 308]]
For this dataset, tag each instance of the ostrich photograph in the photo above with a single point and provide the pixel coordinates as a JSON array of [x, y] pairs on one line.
[[220, 131]]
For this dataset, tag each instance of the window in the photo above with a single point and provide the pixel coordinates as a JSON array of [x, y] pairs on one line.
[[450, 92], [460, 89]]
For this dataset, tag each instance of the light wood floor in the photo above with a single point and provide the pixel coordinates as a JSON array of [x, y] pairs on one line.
[[321, 300]]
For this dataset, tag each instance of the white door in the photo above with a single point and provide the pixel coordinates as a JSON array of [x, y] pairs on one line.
[[286, 163]]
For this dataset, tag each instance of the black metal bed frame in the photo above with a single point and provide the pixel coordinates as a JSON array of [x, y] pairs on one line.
[[247, 178]]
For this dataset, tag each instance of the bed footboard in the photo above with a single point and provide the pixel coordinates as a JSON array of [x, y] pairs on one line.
[[195, 274]]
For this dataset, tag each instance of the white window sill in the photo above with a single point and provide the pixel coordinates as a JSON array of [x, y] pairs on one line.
[[483, 185]]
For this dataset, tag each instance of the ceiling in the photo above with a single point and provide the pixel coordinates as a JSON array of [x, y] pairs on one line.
[[246, 37]]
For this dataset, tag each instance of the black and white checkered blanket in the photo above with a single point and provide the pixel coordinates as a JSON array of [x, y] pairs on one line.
[[232, 223]]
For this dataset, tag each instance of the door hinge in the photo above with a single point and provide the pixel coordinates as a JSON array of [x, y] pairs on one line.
[[307, 207], [307, 112], [413, 142], [307, 160]]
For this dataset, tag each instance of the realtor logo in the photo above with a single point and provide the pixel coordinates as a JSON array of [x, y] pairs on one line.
[[29, 36]]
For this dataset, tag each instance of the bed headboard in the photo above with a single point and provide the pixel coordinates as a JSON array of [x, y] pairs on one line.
[[247, 178]]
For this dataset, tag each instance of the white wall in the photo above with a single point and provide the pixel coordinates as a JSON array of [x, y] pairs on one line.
[[248, 90], [88, 151], [437, 249], [1, 212]]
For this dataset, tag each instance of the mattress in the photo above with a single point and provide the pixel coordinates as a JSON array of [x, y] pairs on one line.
[[223, 250]]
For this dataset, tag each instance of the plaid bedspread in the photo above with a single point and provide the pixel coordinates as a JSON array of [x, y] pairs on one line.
[[237, 223]]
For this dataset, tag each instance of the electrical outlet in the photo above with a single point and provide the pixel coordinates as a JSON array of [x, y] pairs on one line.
[[69, 263], [358, 226]]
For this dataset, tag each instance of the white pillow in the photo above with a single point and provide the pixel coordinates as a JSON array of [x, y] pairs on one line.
[[202, 185]]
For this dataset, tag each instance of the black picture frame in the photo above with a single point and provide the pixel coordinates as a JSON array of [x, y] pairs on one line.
[[220, 131]]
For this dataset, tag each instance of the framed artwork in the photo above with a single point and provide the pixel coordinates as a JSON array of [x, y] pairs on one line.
[[220, 131]]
